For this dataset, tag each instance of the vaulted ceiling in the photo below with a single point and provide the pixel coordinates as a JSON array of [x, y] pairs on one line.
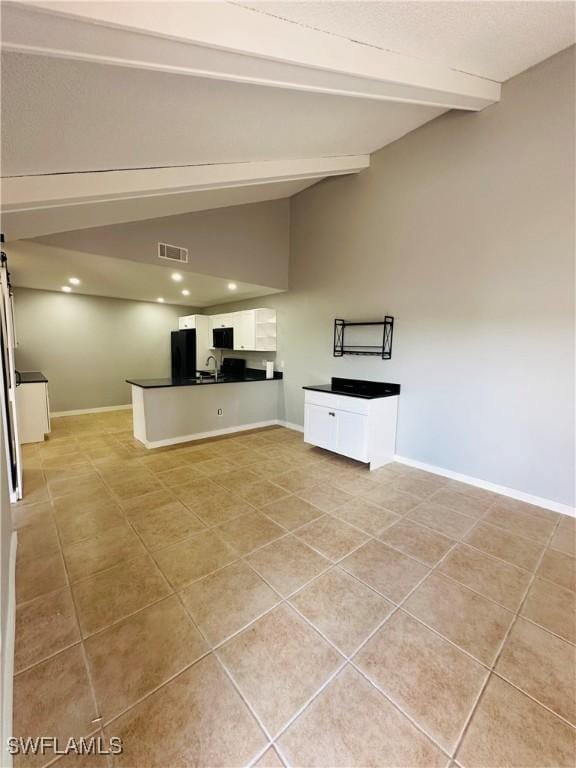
[[122, 111]]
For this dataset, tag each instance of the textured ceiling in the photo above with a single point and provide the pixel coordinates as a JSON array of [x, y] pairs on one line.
[[496, 40], [64, 116]]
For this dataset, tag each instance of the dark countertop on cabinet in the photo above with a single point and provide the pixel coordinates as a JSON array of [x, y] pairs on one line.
[[367, 390], [31, 377], [252, 374]]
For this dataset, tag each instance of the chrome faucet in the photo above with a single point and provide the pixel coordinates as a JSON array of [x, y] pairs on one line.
[[211, 357]]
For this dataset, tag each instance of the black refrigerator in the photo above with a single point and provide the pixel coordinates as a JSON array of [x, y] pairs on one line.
[[183, 344]]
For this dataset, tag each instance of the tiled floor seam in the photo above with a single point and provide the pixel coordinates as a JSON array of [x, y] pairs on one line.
[[253, 762], [83, 649], [106, 722], [546, 629], [500, 650], [536, 701], [125, 617], [350, 658], [346, 660], [47, 658], [399, 606]]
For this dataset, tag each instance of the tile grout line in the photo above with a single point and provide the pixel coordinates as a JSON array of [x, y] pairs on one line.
[[501, 648], [95, 703]]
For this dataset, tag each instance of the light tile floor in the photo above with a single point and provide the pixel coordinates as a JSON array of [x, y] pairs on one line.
[[253, 601]]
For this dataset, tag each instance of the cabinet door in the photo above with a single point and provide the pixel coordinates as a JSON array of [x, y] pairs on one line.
[[320, 426], [222, 321], [352, 439], [245, 330]]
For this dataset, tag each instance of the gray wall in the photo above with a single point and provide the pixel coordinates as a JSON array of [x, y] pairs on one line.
[[179, 411], [247, 243], [464, 230], [87, 346]]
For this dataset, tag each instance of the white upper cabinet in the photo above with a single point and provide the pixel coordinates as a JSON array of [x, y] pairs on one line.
[[265, 329], [223, 321], [254, 329], [244, 330]]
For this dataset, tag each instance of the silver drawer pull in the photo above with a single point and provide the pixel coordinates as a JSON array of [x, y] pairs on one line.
[[331, 413]]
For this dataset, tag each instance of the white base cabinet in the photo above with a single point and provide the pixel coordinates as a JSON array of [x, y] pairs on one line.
[[33, 412], [359, 428]]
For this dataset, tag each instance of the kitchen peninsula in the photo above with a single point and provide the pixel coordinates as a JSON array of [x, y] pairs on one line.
[[169, 411]]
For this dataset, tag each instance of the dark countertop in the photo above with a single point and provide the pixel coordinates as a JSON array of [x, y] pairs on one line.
[[367, 390], [252, 374], [30, 377]]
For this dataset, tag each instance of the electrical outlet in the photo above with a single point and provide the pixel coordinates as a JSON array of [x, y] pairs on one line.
[[219, 411]]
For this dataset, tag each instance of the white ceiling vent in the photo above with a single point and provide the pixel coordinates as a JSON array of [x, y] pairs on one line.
[[172, 253]]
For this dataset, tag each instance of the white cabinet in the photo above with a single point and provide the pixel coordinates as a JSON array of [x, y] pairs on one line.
[[361, 429], [254, 330], [244, 330], [320, 426], [352, 439], [33, 411], [223, 321], [265, 330]]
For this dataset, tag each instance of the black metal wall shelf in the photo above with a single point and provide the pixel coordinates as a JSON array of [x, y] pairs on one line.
[[383, 350]]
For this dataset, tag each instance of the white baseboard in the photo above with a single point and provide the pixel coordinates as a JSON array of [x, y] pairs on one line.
[[212, 433], [538, 501], [8, 656], [290, 425], [82, 411]]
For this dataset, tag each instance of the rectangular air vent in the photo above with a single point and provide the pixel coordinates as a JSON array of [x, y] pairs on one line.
[[172, 253]]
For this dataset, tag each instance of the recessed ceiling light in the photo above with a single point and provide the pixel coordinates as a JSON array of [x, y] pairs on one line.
[[177, 277], [160, 299], [232, 286], [66, 289], [74, 281], [185, 292]]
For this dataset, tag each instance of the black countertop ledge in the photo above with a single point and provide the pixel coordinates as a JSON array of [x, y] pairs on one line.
[[30, 377], [252, 374], [367, 390]]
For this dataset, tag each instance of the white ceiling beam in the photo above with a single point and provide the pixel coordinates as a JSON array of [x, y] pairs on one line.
[[27, 193], [228, 42], [48, 221]]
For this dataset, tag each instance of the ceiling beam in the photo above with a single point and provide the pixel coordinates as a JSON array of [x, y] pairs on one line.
[[25, 193], [224, 41], [33, 206]]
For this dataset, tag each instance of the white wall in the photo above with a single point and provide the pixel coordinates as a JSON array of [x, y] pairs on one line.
[[87, 345], [464, 230]]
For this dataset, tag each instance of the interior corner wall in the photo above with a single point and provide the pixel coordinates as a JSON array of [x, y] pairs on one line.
[[87, 346], [464, 231]]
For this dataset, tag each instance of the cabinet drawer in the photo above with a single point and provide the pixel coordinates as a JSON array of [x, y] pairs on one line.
[[339, 402]]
